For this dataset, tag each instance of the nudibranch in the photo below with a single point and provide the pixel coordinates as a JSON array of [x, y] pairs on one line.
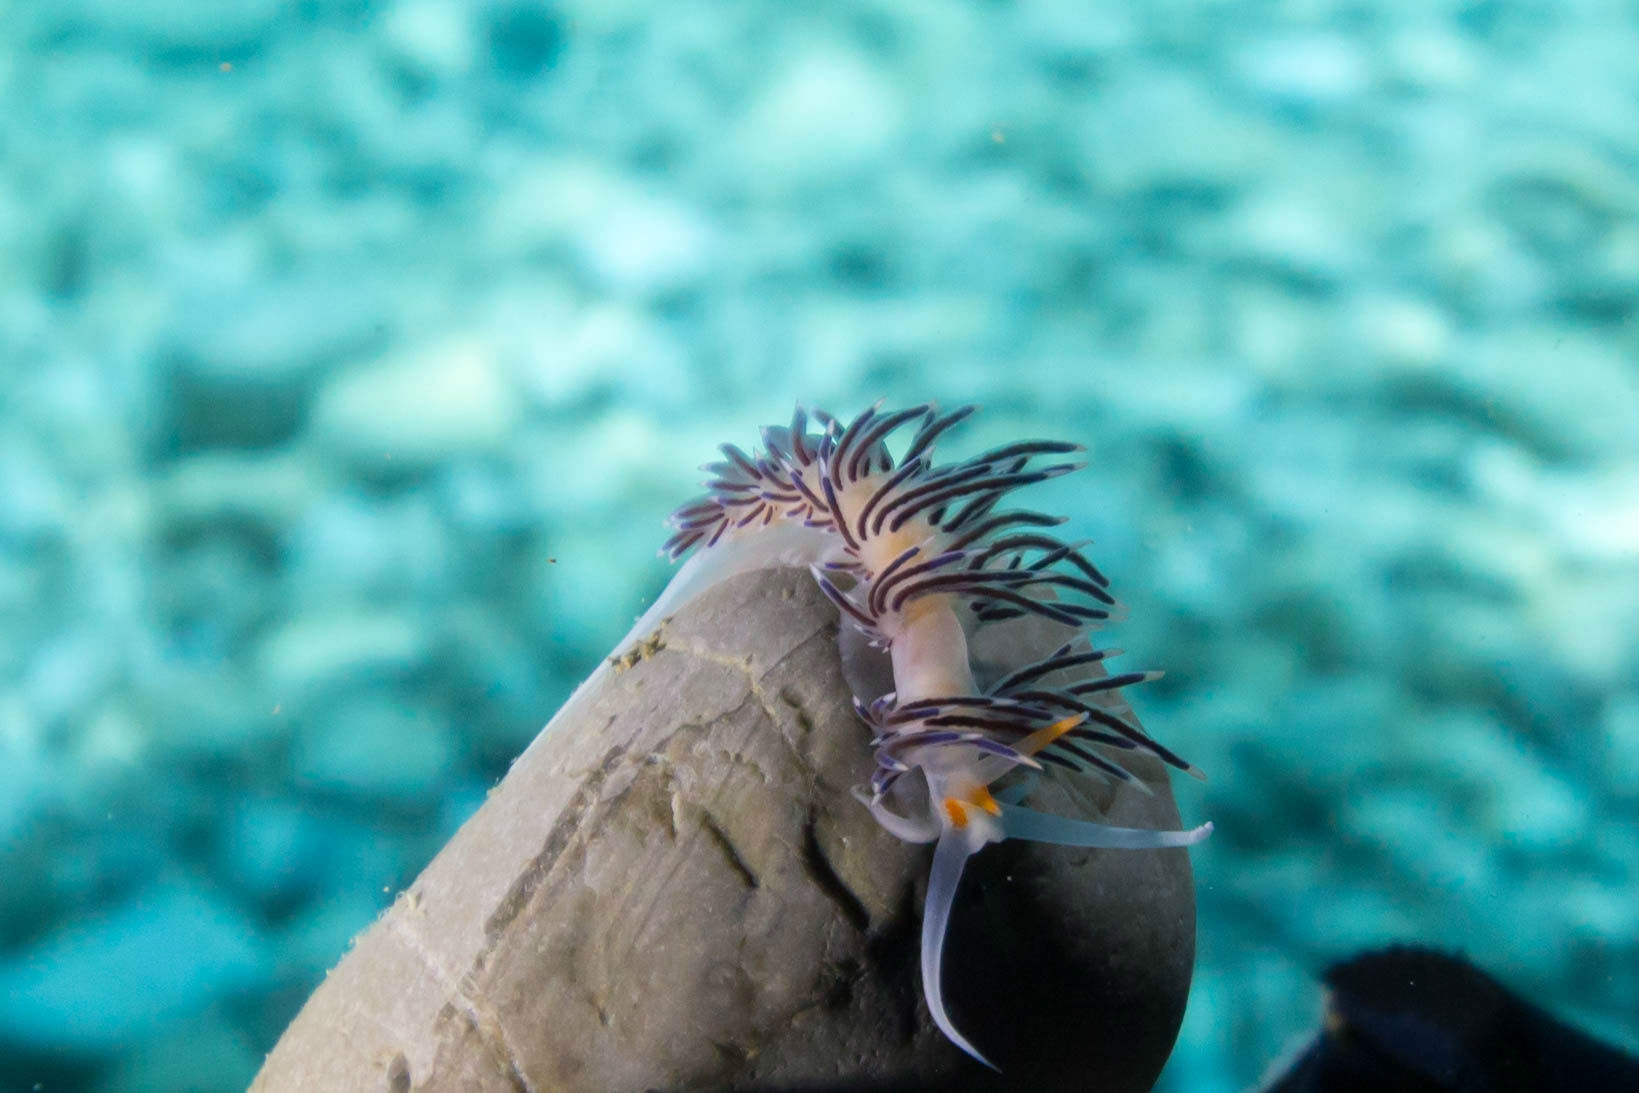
[[917, 557]]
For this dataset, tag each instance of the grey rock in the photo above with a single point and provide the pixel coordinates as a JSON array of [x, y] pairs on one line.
[[673, 889], [309, 942]]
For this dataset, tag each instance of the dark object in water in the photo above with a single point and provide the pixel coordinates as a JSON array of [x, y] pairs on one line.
[[1418, 1021]]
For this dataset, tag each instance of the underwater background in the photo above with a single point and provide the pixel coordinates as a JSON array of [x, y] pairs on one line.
[[352, 353]]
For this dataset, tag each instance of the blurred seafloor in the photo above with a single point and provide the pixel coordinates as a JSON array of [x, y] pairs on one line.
[[350, 354]]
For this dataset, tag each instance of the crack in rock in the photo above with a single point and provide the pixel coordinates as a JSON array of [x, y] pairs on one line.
[[828, 880], [557, 841], [472, 1007], [736, 860]]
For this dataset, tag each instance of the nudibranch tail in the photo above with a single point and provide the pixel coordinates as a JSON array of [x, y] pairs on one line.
[[917, 557], [949, 858]]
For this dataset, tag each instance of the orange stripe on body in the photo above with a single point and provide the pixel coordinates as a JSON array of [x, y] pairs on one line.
[[1039, 739]]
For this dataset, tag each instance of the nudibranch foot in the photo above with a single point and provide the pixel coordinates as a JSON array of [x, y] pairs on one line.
[[779, 546]]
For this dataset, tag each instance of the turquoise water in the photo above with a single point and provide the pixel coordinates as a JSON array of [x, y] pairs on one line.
[[352, 353]]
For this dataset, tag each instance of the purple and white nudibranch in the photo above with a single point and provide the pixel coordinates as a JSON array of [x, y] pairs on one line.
[[916, 557]]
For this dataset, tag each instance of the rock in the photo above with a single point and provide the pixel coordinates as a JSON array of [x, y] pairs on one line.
[[243, 337], [642, 243], [217, 490], [374, 745], [1295, 235], [1618, 741], [433, 37], [114, 978], [37, 502], [1588, 409], [269, 849], [349, 547], [243, 372], [324, 648], [828, 111], [175, 29], [1466, 1023], [673, 889], [309, 942], [1306, 69], [210, 1051], [635, 240], [403, 414], [1402, 331]]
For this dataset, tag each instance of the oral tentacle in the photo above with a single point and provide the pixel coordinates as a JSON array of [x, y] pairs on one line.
[[1041, 827]]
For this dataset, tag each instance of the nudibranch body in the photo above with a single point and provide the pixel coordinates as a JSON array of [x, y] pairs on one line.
[[916, 557]]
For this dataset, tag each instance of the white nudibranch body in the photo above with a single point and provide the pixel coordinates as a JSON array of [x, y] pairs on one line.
[[917, 558]]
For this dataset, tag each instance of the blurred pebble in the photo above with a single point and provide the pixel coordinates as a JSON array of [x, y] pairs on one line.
[[207, 1051], [271, 849], [374, 746], [826, 111], [310, 654], [405, 413], [121, 974]]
